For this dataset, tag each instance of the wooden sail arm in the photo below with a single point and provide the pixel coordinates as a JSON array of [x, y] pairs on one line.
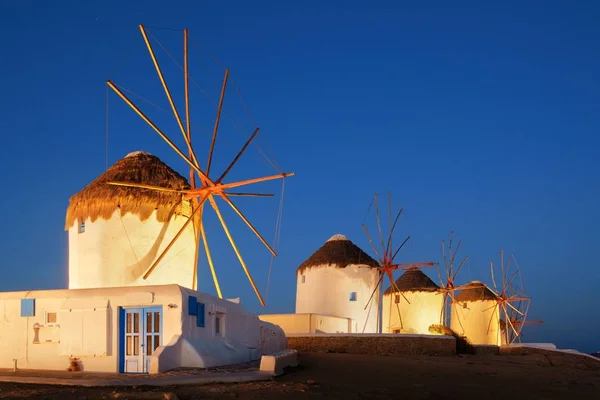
[[160, 133], [168, 93]]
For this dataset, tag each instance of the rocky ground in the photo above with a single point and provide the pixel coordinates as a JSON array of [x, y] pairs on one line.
[[350, 376]]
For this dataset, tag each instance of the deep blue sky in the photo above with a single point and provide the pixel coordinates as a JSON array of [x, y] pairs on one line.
[[479, 118]]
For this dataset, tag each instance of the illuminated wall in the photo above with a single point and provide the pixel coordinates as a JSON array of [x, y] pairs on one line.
[[118, 251], [340, 292], [478, 320], [422, 310]]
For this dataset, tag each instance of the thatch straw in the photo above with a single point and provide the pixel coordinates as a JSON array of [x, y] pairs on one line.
[[340, 252], [475, 291], [413, 280], [101, 200]]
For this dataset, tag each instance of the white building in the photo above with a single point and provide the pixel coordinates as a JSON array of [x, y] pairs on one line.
[[415, 307], [117, 232], [475, 315], [129, 329], [337, 280], [110, 319]]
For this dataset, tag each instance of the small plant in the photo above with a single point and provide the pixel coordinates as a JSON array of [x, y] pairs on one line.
[[74, 365]]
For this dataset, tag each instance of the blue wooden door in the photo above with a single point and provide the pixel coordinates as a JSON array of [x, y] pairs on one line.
[[142, 334]]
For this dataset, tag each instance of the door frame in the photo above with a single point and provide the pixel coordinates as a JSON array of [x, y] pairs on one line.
[[121, 333]]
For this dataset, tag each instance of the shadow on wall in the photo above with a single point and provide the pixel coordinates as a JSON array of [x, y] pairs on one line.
[[134, 272]]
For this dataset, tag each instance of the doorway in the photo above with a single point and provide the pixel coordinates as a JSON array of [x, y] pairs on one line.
[[140, 335]]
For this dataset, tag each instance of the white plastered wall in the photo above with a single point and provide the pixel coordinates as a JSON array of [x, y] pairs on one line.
[[473, 320], [309, 323], [96, 341], [118, 251], [90, 325], [326, 290], [422, 310]]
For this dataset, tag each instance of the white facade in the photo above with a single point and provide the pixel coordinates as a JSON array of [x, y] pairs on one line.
[[340, 292], [129, 329], [478, 320], [118, 251], [422, 310], [310, 323]]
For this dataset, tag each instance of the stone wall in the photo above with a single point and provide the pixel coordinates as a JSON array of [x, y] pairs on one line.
[[555, 357], [391, 344]]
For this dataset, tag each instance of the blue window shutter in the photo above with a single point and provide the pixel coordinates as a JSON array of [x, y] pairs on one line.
[[352, 296], [200, 315], [192, 305], [27, 307]]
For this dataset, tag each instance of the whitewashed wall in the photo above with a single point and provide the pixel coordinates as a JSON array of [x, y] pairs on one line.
[[473, 321], [118, 251], [88, 328], [95, 340], [422, 310], [309, 323], [326, 290]]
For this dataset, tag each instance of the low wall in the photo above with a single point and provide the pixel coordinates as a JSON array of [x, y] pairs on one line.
[[554, 357], [382, 344]]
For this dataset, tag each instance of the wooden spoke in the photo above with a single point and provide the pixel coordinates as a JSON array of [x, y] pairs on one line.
[[252, 228], [393, 226], [403, 243], [216, 127], [144, 186], [188, 125], [492, 318], [451, 294], [249, 194], [372, 244], [210, 262], [374, 291], [237, 157], [460, 266], [161, 134], [168, 92], [492, 273], [445, 259], [221, 187], [454, 255], [235, 249], [379, 226], [389, 221], [171, 243]]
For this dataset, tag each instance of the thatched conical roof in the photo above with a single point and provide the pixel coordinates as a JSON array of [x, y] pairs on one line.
[[413, 280], [340, 252], [475, 291], [100, 200]]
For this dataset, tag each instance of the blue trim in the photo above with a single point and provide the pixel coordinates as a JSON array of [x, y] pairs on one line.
[[121, 345], [192, 310], [27, 307], [200, 317]]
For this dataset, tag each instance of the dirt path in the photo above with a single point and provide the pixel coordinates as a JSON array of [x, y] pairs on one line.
[[347, 376]]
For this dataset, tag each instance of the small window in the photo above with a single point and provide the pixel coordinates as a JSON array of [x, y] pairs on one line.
[[396, 330], [51, 318], [397, 299], [27, 307], [200, 310], [218, 326], [81, 227], [303, 278], [352, 296]]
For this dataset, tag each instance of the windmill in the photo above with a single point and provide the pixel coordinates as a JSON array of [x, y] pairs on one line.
[[204, 187], [386, 255], [511, 301], [448, 286]]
